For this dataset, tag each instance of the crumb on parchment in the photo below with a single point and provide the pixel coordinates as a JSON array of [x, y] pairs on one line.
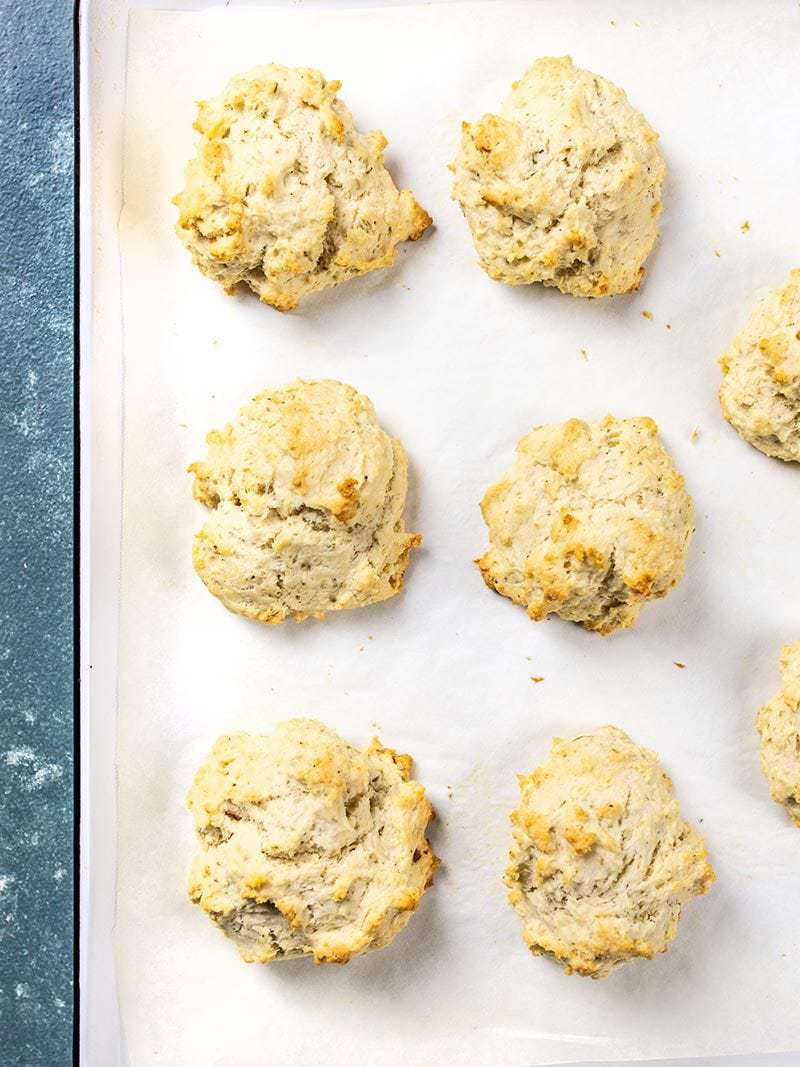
[[647, 315], [680, 666], [745, 227]]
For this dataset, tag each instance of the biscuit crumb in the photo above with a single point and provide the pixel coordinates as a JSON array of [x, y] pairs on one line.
[[716, 253], [695, 436], [647, 314], [669, 325], [537, 678], [584, 355], [680, 666], [745, 227]]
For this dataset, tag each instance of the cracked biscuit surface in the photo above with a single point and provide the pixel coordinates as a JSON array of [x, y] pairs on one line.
[[309, 846], [601, 861], [590, 523], [760, 391], [562, 187], [284, 194], [778, 723], [307, 494]]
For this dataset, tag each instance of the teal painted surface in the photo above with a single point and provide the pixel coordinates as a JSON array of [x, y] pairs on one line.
[[36, 766]]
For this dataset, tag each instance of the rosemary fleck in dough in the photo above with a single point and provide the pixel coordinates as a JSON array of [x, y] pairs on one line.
[[285, 194], [590, 523], [309, 847], [601, 861], [306, 493], [760, 391], [778, 722], [564, 185]]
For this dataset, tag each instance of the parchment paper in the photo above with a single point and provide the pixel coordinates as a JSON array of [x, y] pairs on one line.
[[460, 367]]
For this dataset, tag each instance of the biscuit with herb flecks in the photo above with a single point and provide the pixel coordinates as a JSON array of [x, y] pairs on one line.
[[310, 847], [306, 495], [602, 861], [563, 186], [284, 195], [760, 391], [778, 723], [591, 522]]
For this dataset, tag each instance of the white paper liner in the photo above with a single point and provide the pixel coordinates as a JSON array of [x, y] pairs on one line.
[[461, 367]]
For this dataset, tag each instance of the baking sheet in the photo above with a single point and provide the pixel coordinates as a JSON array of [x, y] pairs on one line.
[[460, 367]]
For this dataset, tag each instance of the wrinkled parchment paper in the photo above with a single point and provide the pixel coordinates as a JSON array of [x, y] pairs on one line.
[[460, 367]]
